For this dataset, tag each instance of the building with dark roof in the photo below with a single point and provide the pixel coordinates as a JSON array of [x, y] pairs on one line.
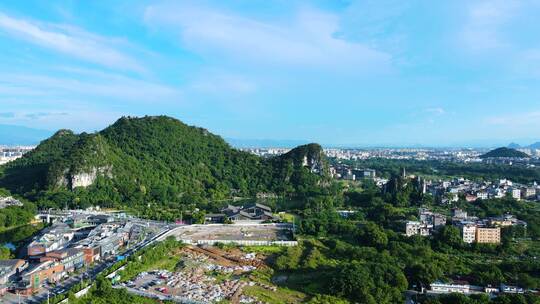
[[252, 212]]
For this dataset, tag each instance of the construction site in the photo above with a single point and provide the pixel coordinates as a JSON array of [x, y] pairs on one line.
[[205, 274]]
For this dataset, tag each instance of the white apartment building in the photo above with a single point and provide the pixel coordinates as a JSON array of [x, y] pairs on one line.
[[454, 287], [415, 228], [528, 192], [482, 195], [496, 193], [468, 232], [515, 193]]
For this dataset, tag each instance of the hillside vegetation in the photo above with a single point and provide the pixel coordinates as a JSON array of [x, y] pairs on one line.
[[156, 159], [505, 152]]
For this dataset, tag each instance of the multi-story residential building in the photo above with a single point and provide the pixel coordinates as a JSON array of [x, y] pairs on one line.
[[458, 214], [515, 193], [468, 233], [528, 193], [505, 182], [482, 195], [432, 218], [417, 228], [428, 222], [364, 173], [496, 193], [488, 235]]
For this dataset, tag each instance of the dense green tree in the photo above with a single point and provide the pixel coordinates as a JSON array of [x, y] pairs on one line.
[[158, 159]]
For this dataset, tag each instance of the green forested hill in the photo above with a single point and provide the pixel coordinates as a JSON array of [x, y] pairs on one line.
[[505, 152], [155, 159]]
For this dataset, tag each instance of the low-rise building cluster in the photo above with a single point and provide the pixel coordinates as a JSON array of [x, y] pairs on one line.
[[473, 229], [461, 155], [448, 191], [429, 221], [463, 287], [487, 230], [8, 154], [266, 152], [456, 155], [346, 172], [74, 240]]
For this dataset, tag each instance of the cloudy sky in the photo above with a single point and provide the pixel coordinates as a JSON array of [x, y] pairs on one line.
[[335, 72]]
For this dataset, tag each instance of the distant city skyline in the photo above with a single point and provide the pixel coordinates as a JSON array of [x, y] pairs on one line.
[[341, 73], [11, 135]]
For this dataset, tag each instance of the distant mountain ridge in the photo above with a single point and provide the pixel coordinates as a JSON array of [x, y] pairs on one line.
[[156, 159], [504, 152], [11, 135], [535, 145], [265, 143]]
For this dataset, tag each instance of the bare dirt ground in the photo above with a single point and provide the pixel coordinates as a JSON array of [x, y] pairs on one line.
[[206, 274]]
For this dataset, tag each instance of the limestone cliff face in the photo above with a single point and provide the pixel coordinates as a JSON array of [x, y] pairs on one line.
[[309, 156], [83, 179], [315, 164]]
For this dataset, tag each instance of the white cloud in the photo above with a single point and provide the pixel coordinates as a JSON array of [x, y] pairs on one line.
[[86, 84], [515, 119], [308, 40], [435, 111], [484, 20], [71, 41], [78, 118]]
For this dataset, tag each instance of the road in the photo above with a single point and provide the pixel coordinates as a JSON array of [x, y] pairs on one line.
[[162, 297]]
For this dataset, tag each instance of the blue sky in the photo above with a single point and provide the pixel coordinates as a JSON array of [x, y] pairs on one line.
[[336, 72]]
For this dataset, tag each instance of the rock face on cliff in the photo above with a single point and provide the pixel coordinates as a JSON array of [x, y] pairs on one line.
[[157, 158], [83, 179], [310, 156]]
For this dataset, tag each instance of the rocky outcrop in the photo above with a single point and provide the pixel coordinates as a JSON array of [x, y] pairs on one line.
[[9, 201], [83, 179], [310, 156]]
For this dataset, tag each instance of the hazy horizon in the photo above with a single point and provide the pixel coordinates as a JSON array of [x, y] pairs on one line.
[[12, 135]]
